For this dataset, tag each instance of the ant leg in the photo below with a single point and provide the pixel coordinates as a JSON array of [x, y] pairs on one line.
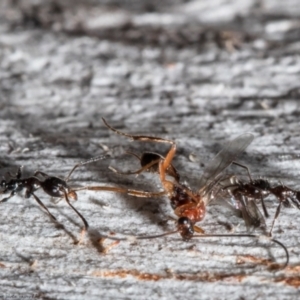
[[163, 167], [135, 193], [43, 205], [150, 163], [7, 198], [82, 163], [166, 162], [86, 225], [244, 167], [275, 217], [144, 168], [143, 138], [133, 154], [129, 172], [264, 206]]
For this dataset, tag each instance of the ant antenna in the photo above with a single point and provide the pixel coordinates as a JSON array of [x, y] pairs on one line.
[[201, 236], [144, 138], [251, 236], [136, 237], [82, 163]]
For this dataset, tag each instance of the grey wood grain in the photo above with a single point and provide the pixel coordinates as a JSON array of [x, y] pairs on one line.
[[200, 73]]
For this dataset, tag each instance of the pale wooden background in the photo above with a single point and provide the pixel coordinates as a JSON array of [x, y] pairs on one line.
[[166, 69]]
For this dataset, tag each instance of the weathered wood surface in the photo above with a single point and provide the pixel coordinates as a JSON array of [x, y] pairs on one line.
[[151, 69]]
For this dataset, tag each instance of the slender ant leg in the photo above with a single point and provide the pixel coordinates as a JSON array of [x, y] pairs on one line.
[[244, 167], [7, 198], [91, 160], [275, 217], [130, 192], [142, 169], [43, 205], [149, 163]]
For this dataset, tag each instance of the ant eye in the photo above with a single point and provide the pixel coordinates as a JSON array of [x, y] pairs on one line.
[[3, 183]]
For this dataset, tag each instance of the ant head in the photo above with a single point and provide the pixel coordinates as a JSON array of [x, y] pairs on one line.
[[185, 228]]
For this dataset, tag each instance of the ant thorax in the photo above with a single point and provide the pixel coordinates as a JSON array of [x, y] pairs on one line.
[[180, 196], [54, 186], [187, 204]]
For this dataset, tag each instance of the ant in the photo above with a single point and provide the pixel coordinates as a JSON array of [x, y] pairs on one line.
[[51, 185], [244, 195], [188, 205]]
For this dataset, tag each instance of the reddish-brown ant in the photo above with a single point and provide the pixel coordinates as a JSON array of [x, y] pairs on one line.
[[51, 185], [241, 194], [188, 205]]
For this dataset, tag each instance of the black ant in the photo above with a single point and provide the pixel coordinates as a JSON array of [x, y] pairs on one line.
[[51, 185], [188, 205], [245, 195], [242, 197]]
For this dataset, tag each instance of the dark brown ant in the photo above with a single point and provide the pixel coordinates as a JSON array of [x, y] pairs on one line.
[[245, 195], [51, 185], [243, 198], [188, 205]]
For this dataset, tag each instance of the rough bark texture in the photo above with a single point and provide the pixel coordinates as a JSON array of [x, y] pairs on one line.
[[198, 72]]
